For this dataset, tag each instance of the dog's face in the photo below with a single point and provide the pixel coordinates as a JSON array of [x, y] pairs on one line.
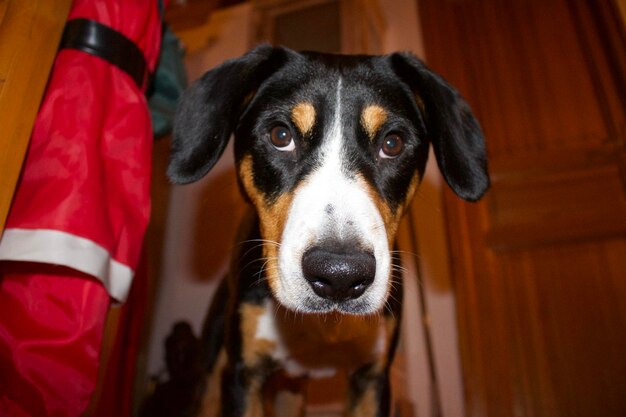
[[329, 150]]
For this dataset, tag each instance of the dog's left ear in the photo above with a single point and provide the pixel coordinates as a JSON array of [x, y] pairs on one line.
[[451, 127], [209, 110]]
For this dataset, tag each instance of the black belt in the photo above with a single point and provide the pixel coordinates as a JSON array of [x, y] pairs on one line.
[[97, 39]]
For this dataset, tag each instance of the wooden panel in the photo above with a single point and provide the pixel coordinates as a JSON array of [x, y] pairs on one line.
[[270, 13], [557, 196], [512, 48], [539, 265], [363, 27], [25, 27], [347, 26], [313, 27]]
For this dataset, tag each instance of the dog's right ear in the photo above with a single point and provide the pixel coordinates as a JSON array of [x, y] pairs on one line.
[[453, 130], [209, 110]]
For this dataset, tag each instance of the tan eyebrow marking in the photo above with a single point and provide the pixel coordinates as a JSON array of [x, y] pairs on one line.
[[372, 118], [303, 115]]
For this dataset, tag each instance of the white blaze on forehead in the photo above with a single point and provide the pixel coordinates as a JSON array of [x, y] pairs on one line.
[[354, 218]]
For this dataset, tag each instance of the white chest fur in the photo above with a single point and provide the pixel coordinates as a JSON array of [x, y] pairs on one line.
[[317, 345]]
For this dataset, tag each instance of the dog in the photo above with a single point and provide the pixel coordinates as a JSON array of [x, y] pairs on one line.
[[329, 151]]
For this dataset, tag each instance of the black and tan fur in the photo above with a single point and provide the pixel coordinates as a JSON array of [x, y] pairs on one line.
[[329, 151]]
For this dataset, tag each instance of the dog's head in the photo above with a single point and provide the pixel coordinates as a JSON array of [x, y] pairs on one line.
[[329, 150]]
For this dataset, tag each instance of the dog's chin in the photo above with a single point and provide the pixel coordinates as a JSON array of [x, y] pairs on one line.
[[353, 307], [313, 304]]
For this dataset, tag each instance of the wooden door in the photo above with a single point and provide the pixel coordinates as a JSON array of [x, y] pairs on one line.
[[540, 264]]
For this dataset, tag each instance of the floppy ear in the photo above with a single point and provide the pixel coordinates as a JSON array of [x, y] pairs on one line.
[[451, 127], [209, 110]]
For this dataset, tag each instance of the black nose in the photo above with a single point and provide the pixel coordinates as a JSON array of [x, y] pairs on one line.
[[338, 272]]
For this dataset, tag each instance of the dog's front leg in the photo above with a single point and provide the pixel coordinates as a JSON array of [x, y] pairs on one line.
[[249, 362], [242, 392], [369, 392]]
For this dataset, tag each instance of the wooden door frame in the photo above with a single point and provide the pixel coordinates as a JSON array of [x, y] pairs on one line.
[[540, 290], [25, 26]]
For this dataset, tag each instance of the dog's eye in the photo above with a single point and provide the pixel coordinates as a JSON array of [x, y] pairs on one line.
[[282, 138], [392, 146]]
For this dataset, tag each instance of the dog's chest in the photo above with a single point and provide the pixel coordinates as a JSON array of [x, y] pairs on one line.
[[309, 344]]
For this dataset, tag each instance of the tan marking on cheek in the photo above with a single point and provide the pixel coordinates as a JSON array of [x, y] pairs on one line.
[[303, 115], [390, 217], [247, 179], [372, 118], [272, 223], [415, 181], [391, 223], [253, 349], [272, 218]]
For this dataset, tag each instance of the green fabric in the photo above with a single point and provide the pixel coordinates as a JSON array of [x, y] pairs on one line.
[[170, 80]]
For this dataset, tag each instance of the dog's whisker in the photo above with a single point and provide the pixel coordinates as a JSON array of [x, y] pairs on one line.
[[246, 253], [399, 269], [261, 243], [398, 264], [379, 226], [388, 306], [261, 259], [259, 240], [391, 297], [261, 274], [405, 252]]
